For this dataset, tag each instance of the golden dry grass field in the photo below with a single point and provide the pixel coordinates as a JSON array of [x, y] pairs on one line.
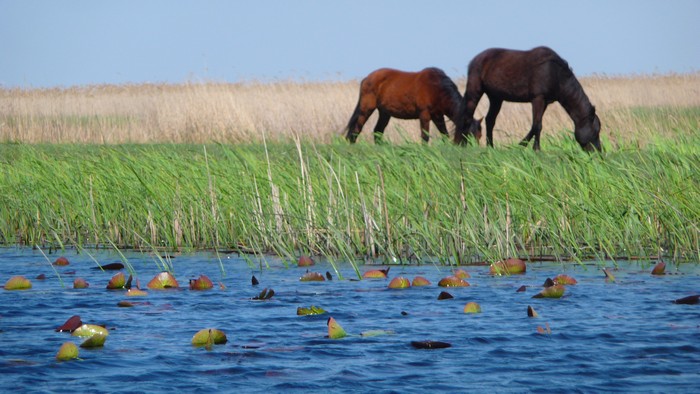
[[631, 108]]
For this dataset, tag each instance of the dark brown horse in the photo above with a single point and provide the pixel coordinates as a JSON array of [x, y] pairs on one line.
[[538, 76], [426, 95]]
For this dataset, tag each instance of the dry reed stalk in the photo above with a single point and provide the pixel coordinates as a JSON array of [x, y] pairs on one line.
[[283, 111]]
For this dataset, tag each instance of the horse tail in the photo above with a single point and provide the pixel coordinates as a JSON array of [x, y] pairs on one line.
[[349, 130]]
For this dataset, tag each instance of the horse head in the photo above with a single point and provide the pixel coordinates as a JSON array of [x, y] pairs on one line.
[[471, 128], [587, 132]]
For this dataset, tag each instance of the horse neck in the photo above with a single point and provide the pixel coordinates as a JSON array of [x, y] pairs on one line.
[[575, 101]]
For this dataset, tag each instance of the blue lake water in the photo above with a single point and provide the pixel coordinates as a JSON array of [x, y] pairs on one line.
[[623, 337]]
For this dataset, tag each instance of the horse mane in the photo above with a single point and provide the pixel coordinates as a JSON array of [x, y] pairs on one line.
[[576, 99], [448, 85]]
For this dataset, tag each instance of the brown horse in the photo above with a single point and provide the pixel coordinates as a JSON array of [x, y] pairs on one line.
[[426, 95], [539, 76]]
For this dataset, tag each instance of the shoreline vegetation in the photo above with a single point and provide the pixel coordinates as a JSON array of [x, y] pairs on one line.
[[261, 168]]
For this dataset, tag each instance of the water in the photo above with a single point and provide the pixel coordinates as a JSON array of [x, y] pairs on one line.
[[624, 336]]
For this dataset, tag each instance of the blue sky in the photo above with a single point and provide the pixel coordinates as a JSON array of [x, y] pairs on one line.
[[65, 43]]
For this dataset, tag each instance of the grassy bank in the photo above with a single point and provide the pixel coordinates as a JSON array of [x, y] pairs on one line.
[[407, 202]]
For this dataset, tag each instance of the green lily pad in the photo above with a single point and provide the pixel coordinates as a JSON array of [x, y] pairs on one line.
[[472, 307], [556, 291], [18, 283], [312, 277], [508, 267], [376, 333], [164, 280], [80, 283], [400, 282], [208, 337], [312, 310], [201, 283], [452, 281], [88, 330], [68, 351], [97, 340], [335, 330], [117, 282], [419, 281]]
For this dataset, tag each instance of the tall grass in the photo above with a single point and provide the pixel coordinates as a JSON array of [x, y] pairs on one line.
[[285, 110], [399, 202]]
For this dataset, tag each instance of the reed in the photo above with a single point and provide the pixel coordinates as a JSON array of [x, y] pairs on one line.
[[395, 202]]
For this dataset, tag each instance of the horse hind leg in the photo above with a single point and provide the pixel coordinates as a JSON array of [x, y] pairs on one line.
[[366, 104], [382, 122], [539, 105], [425, 126]]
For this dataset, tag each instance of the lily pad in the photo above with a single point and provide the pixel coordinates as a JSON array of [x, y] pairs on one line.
[[452, 281], [71, 324], [531, 312], [556, 291], [208, 337], [690, 300], [110, 267], [659, 268], [18, 283], [312, 277], [472, 307], [88, 330], [462, 274], [266, 294], [420, 281], [312, 310], [335, 330], [68, 351], [376, 333], [445, 296], [117, 282], [61, 261], [430, 344], [97, 340], [80, 283], [508, 267], [164, 280], [376, 274], [609, 275], [305, 261], [400, 282], [136, 293], [563, 279], [201, 283]]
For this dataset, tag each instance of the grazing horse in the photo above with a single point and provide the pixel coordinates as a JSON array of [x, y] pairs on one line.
[[538, 76], [426, 95]]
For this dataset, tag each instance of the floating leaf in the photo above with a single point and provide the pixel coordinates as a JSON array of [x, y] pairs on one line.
[[452, 281], [555, 291], [18, 282], [88, 330], [209, 336], [201, 283], [41, 277], [521, 289], [400, 282], [444, 296], [117, 282], [312, 310], [430, 344], [690, 300], [305, 261], [335, 331], [531, 312], [462, 274], [71, 324], [659, 268], [110, 267], [136, 293], [608, 275], [61, 262], [266, 294], [472, 307], [376, 333], [254, 281], [545, 329], [164, 280], [508, 267], [548, 282], [97, 340], [329, 276], [312, 277], [68, 351], [125, 304], [562, 279], [376, 274], [80, 283], [420, 281]]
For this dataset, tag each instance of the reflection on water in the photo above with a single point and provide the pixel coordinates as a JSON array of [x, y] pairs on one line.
[[620, 336]]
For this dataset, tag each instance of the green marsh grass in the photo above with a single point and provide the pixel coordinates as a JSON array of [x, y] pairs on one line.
[[391, 203]]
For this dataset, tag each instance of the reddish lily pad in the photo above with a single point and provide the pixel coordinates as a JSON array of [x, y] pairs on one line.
[[312, 277], [430, 344], [125, 304], [462, 274], [420, 281], [563, 279], [117, 282], [400, 282], [305, 261], [544, 330], [61, 262], [110, 267], [556, 291], [508, 267], [472, 307], [201, 283], [452, 281], [208, 337], [659, 268], [88, 330], [80, 283], [71, 324], [136, 293], [376, 274], [68, 351], [335, 330], [521, 289], [312, 310], [163, 280], [18, 282], [97, 340]]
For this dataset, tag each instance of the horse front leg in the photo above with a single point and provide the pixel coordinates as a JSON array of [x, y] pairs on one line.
[[539, 105], [382, 122], [494, 109]]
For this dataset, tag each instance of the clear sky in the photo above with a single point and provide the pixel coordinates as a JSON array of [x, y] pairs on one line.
[[47, 43]]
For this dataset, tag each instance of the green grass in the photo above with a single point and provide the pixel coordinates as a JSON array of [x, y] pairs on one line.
[[405, 203]]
